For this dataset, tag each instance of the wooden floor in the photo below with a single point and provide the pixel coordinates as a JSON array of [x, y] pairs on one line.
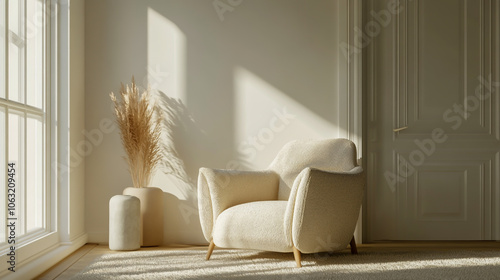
[[89, 252], [84, 256]]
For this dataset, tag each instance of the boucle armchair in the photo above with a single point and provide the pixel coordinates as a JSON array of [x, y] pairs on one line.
[[307, 201]]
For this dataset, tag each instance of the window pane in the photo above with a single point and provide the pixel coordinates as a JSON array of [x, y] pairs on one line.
[[23, 129], [34, 171], [34, 53], [16, 154], [16, 51], [3, 169]]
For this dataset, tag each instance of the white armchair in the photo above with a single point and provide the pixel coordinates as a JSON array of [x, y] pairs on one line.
[[310, 196]]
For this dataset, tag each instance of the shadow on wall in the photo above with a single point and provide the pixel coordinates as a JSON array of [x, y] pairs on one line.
[[177, 176]]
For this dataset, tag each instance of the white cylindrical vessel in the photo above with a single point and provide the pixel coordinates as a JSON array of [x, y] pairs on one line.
[[124, 223]]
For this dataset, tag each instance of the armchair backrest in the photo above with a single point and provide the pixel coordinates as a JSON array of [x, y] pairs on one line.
[[333, 155]]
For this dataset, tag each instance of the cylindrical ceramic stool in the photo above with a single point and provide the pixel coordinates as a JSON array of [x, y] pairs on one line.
[[124, 223]]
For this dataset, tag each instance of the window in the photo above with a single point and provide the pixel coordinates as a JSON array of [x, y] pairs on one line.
[[25, 119]]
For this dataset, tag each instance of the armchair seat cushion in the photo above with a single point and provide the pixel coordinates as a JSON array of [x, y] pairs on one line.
[[254, 225]]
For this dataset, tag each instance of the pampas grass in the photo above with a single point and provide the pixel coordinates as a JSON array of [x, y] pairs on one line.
[[140, 130]]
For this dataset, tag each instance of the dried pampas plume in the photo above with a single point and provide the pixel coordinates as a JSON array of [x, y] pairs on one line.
[[140, 130]]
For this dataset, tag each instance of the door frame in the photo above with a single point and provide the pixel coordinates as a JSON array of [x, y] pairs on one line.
[[349, 69]]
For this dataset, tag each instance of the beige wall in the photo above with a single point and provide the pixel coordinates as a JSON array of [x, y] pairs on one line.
[[241, 82]]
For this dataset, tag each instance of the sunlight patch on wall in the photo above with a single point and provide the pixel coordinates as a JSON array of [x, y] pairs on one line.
[[166, 45], [166, 56], [267, 118]]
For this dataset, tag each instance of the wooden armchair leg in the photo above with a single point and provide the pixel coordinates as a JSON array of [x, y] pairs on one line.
[[354, 250], [296, 255], [210, 249]]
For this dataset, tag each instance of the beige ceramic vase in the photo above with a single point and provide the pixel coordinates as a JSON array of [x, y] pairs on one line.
[[151, 214]]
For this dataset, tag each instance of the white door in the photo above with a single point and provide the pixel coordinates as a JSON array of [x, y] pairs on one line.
[[433, 110]]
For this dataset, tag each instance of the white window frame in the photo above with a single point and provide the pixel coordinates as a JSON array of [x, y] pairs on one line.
[[42, 250], [39, 240]]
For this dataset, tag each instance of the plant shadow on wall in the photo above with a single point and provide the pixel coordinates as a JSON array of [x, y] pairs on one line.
[[181, 139]]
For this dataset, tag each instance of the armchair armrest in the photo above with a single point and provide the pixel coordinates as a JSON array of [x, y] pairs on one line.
[[220, 189], [323, 209]]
